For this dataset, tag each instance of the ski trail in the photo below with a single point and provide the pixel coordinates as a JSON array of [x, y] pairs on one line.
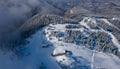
[[92, 60]]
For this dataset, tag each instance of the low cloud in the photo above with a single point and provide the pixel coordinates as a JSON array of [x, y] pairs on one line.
[[13, 13]]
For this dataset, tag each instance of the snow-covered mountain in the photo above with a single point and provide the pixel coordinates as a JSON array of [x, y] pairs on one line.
[[14, 13], [65, 34], [54, 42]]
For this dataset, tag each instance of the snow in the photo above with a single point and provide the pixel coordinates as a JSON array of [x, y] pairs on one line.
[[38, 53], [114, 18], [58, 50], [87, 20], [92, 20], [94, 59], [37, 56], [83, 23], [65, 60], [114, 39], [80, 55], [106, 21], [71, 11], [106, 61]]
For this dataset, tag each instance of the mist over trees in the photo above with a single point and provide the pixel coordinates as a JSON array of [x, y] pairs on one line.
[[13, 13]]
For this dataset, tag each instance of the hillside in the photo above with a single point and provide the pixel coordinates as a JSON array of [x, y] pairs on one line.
[[60, 34]]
